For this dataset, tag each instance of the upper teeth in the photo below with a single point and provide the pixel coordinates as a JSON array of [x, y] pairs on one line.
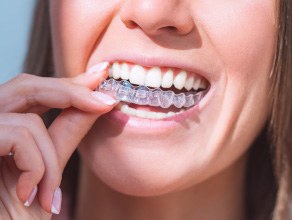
[[155, 77]]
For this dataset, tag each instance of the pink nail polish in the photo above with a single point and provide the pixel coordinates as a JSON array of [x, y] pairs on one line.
[[57, 201], [31, 196], [106, 99], [98, 68]]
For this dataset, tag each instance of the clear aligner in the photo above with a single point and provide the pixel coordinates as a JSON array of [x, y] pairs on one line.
[[142, 95]]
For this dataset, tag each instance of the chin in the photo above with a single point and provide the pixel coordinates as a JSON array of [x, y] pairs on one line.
[[145, 168]]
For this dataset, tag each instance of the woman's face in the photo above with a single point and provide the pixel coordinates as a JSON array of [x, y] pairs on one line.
[[229, 44]]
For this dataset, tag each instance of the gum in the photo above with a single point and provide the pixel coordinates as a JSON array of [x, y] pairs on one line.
[[142, 95]]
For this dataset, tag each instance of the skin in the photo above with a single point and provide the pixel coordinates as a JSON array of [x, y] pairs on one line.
[[195, 170], [40, 154], [233, 41]]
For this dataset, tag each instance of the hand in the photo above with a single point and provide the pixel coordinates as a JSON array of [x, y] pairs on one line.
[[40, 154]]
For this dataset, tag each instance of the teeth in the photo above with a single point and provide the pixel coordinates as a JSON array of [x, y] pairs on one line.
[[167, 79], [197, 84], [138, 75], [145, 114], [180, 80], [123, 107], [189, 83], [125, 73], [141, 114], [170, 114], [160, 115], [154, 77], [116, 71]]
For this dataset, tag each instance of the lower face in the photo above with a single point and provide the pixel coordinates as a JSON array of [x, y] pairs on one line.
[[230, 47]]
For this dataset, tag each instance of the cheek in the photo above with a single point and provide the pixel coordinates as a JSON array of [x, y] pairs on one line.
[[76, 27], [242, 33]]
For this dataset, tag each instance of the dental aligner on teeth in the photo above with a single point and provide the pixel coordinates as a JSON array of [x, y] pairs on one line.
[[142, 95]]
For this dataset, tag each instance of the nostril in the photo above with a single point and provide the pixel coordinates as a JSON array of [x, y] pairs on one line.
[[170, 28], [131, 24]]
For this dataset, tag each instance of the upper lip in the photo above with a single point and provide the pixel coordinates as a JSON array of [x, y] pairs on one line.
[[148, 61]]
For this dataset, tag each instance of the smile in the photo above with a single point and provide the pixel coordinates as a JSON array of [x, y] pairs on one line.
[[153, 92]]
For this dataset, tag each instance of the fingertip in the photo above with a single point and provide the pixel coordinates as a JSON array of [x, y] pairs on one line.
[[57, 201], [104, 98], [31, 197], [98, 68], [51, 200], [45, 196], [27, 186], [26, 194], [90, 80]]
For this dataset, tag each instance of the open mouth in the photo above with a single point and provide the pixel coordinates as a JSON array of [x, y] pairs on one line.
[[153, 92]]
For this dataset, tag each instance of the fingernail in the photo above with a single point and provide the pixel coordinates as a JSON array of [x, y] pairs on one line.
[[57, 201], [106, 99], [98, 68], [31, 196]]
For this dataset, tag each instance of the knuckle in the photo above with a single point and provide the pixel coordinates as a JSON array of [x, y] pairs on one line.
[[27, 87], [22, 132], [41, 168], [23, 77]]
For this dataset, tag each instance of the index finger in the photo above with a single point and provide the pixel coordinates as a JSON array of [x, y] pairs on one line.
[[27, 92]]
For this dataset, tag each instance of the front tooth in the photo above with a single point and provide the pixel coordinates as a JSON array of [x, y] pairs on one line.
[[138, 75], [170, 114], [116, 71], [180, 80], [124, 108], [197, 83], [189, 83], [125, 71], [141, 114], [131, 111], [144, 114], [167, 79], [151, 115], [160, 115], [153, 78]]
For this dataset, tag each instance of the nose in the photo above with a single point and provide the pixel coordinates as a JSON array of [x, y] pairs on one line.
[[155, 17]]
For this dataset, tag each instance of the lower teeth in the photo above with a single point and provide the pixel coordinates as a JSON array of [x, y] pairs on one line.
[[142, 95], [145, 114]]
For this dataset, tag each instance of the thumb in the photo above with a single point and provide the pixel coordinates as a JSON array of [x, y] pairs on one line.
[[69, 128]]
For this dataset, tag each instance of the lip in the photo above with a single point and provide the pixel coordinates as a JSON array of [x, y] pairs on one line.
[[143, 125], [151, 61]]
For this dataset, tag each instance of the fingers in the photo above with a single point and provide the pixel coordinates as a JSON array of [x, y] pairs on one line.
[[35, 140], [27, 91], [54, 146], [39, 153], [28, 159], [69, 129]]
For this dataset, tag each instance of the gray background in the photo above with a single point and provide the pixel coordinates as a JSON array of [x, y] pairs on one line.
[[15, 22]]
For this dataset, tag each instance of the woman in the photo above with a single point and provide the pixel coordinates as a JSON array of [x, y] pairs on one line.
[[210, 160]]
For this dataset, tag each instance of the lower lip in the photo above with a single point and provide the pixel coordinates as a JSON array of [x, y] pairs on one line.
[[120, 119]]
